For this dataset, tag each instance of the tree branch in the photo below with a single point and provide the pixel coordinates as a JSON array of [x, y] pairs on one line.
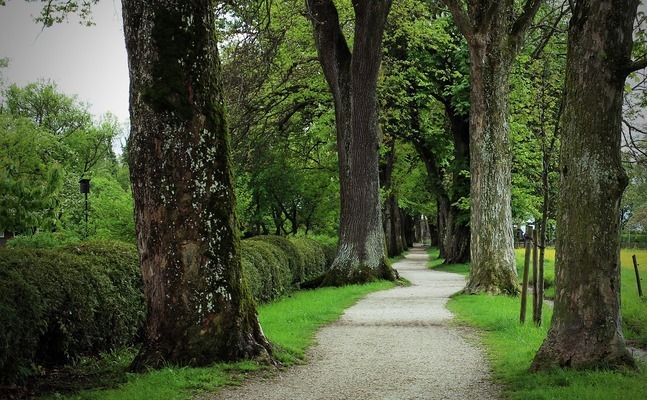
[[522, 23], [636, 65], [334, 54], [461, 19]]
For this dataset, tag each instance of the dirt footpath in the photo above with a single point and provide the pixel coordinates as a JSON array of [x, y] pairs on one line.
[[394, 344]]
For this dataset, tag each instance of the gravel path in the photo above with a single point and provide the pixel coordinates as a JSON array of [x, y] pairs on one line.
[[394, 344]]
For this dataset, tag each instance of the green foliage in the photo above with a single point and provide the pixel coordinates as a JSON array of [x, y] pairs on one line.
[[275, 266], [59, 304], [290, 324], [50, 141], [295, 257], [281, 119], [42, 240], [511, 348], [315, 257], [266, 268], [30, 175]]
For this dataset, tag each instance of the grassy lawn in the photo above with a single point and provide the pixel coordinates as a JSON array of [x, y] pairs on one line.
[[290, 323], [511, 347], [634, 309]]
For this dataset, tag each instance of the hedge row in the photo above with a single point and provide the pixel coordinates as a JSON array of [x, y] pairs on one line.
[[275, 265], [59, 304]]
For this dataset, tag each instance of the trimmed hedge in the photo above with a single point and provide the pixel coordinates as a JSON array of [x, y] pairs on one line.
[[59, 304]]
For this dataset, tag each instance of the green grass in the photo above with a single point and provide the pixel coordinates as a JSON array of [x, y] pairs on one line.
[[633, 308], [511, 347], [436, 264], [290, 323]]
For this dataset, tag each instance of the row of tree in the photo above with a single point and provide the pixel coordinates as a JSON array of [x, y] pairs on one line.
[[475, 94]]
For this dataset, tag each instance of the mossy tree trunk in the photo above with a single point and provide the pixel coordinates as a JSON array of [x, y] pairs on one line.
[[494, 34], [586, 330], [199, 309], [352, 78]]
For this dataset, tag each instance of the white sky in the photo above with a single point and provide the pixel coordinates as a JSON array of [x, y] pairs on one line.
[[89, 62]]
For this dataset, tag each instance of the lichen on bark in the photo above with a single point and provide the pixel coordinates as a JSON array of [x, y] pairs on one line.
[[199, 309]]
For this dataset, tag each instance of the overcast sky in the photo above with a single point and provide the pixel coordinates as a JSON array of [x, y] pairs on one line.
[[86, 61]]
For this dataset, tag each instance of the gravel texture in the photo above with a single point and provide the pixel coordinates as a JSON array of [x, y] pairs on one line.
[[394, 344]]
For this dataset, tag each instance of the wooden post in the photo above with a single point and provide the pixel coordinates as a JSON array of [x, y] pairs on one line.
[[526, 267], [640, 289], [535, 277], [540, 277]]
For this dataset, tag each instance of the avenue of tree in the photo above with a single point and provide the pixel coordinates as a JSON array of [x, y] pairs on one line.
[[355, 121]]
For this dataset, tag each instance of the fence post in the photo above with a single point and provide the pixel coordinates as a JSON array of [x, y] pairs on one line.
[[640, 289], [526, 267]]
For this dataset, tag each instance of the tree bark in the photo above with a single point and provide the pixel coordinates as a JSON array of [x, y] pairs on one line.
[[457, 230], [494, 35], [492, 250], [199, 309], [352, 78], [586, 329]]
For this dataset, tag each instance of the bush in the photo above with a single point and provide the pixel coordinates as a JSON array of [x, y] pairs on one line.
[[266, 268], [315, 260], [43, 240], [295, 258], [59, 304]]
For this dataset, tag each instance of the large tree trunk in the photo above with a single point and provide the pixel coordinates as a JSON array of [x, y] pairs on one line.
[[199, 309], [586, 330], [352, 79], [391, 212], [494, 35], [492, 250], [457, 229]]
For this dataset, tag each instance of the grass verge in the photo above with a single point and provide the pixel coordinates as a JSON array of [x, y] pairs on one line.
[[633, 308], [511, 347], [290, 323]]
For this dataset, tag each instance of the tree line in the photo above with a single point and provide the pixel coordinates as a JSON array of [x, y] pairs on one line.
[[473, 111]]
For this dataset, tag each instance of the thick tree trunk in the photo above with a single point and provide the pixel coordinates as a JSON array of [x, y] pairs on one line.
[[199, 309], [352, 79], [586, 330], [494, 34], [443, 206], [492, 246], [457, 230], [391, 212]]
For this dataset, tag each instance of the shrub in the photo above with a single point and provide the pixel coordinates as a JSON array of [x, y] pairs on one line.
[[43, 240], [295, 257], [315, 260], [59, 304], [267, 268]]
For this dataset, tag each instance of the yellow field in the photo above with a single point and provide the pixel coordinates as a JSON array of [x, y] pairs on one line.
[[634, 309]]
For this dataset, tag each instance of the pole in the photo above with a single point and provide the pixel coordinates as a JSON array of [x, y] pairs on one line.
[[640, 289], [535, 277], [526, 267], [86, 216]]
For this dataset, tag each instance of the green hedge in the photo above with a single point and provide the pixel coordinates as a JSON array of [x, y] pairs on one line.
[[57, 304]]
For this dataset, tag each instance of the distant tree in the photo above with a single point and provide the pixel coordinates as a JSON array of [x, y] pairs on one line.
[[586, 330], [494, 32], [352, 79], [30, 175], [199, 308]]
